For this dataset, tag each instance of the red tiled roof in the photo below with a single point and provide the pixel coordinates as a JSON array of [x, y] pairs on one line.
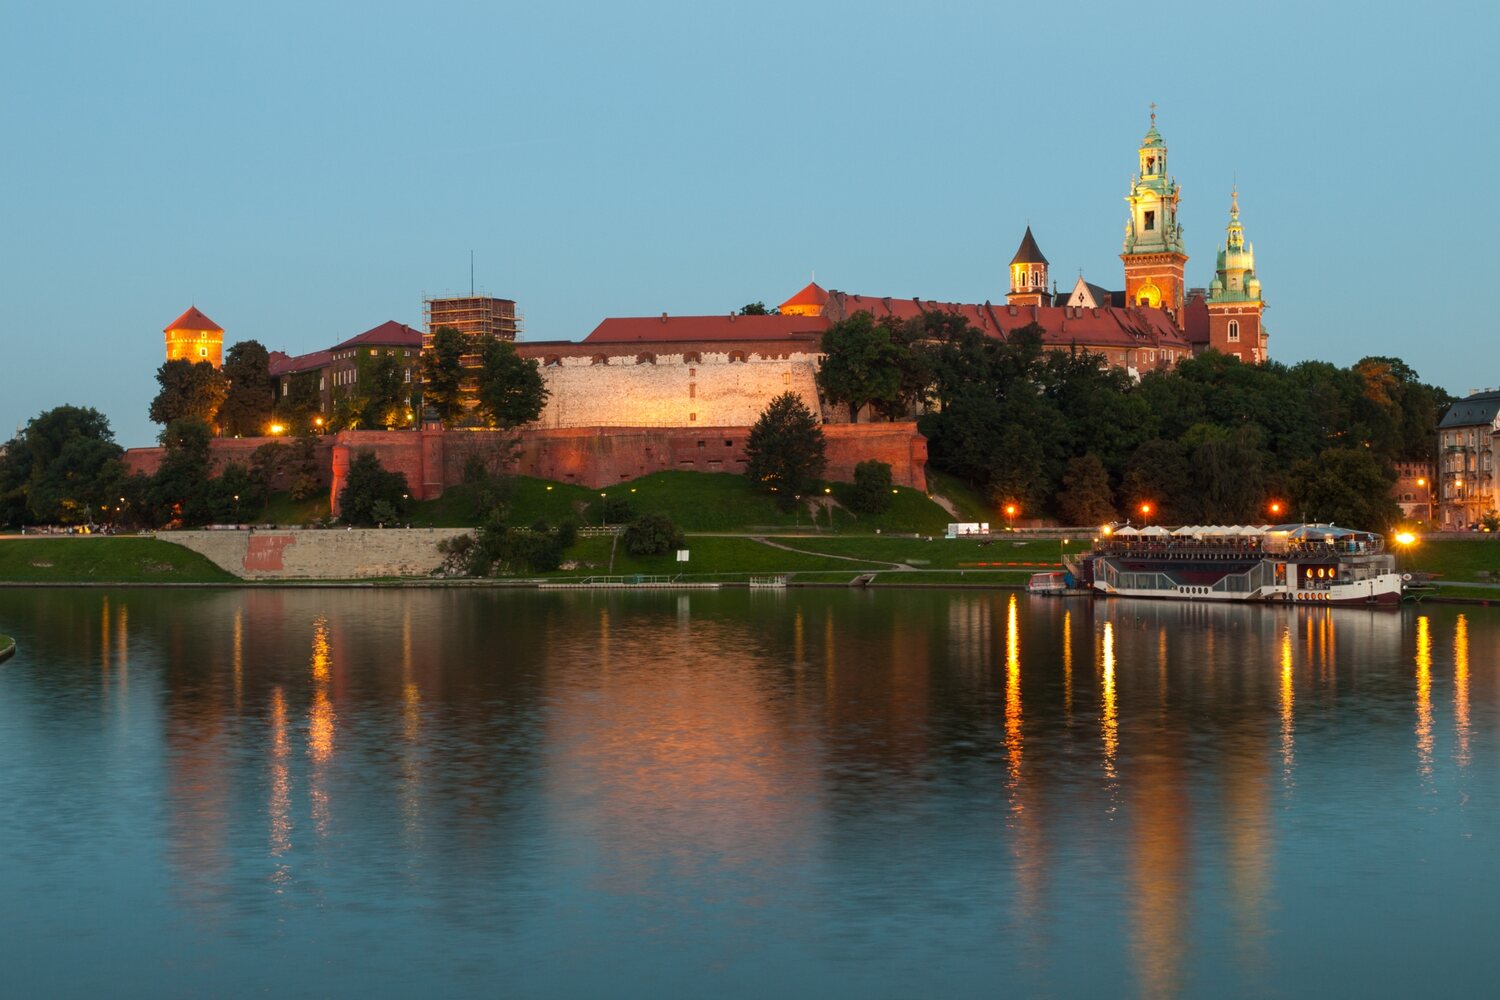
[[388, 334], [1103, 327], [666, 328], [812, 295], [194, 320], [283, 365]]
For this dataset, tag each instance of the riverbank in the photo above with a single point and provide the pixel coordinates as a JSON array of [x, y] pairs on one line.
[[7, 648]]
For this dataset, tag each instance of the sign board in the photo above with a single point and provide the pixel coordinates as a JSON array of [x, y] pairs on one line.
[[682, 555], [968, 528]]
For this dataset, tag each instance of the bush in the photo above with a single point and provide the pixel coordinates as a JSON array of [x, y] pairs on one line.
[[567, 533], [651, 535], [872, 487], [367, 484]]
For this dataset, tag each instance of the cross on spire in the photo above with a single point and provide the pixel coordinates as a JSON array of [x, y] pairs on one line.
[[1153, 112]]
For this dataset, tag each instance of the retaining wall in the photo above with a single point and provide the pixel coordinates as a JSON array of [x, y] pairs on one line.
[[362, 553]]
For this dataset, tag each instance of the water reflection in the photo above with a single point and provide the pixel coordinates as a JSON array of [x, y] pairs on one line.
[[872, 794]]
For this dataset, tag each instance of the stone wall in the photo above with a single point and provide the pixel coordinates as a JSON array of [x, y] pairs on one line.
[[681, 390], [319, 555]]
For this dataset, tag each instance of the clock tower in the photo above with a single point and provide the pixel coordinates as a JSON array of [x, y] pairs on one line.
[[1154, 258]]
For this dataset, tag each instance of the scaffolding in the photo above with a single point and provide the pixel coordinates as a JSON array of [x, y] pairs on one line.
[[477, 316]]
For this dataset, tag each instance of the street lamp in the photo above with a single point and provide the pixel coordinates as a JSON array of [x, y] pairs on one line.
[[1276, 508], [1405, 539], [1010, 516], [277, 429], [1146, 510], [602, 512]]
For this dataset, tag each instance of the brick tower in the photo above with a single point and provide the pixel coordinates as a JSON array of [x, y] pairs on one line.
[[1154, 256], [194, 337], [1028, 275], [1234, 302]]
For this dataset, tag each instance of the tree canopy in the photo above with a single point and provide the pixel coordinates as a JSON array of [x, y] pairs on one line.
[[784, 453], [62, 468], [511, 390], [189, 390], [371, 490], [251, 392], [443, 373]]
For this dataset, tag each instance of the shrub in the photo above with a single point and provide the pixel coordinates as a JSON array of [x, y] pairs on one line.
[[872, 487], [651, 535], [367, 484]]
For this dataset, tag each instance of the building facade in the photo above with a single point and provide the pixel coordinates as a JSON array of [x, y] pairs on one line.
[[1467, 435]]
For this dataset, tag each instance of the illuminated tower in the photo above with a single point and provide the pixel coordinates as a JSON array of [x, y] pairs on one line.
[[194, 337], [1028, 274], [1154, 256], [1234, 302]]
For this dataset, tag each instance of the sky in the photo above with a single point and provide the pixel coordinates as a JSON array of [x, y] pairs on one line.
[[305, 171]]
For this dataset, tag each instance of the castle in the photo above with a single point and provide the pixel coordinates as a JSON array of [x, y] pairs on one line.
[[694, 384]]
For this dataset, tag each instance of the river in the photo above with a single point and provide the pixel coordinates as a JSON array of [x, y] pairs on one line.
[[310, 792]]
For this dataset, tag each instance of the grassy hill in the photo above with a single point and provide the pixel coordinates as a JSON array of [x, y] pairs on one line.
[[98, 559]]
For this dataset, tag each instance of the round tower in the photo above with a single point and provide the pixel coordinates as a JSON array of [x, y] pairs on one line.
[[194, 337]]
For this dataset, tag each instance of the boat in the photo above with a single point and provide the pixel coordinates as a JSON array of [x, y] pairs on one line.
[[1056, 583], [1318, 564]]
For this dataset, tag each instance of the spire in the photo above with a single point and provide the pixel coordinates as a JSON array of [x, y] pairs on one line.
[[1028, 274], [1028, 252], [1234, 279]]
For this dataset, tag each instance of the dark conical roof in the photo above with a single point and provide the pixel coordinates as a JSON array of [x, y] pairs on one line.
[[1029, 253]]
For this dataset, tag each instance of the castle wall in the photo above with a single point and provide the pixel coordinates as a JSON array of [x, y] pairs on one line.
[[223, 452], [647, 389], [319, 555]]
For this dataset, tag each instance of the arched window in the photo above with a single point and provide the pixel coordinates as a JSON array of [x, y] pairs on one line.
[[600, 359], [1234, 329]]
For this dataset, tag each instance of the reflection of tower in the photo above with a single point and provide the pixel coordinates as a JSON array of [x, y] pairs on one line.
[[1154, 257], [1028, 274], [1234, 302]]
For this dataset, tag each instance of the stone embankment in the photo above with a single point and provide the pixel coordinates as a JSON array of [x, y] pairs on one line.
[[7, 648], [290, 554]]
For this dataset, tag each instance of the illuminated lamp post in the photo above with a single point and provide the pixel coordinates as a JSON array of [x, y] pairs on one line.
[[1405, 540], [602, 512], [318, 423], [1422, 484], [796, 510], [828, 492], [1010, 516], [1276, 507], [277, 429], [1146, 510]]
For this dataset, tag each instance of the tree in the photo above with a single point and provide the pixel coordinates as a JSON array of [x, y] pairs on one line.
[[651, 534], [443, 373], [189, 391], [872, 487], [251, 395], [860, 364], [77, 485], [511, 390], [368, 483], [1345, 486], [1085, 498], [48, 454], [298, 411], [755, 309], [386, 396], [785, 451], [179, 490]]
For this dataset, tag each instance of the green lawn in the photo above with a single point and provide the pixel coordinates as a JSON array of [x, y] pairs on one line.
[[971, 506], [942, 553], [283, 510], [708, 555], [695, 501], [1455, 561], [104, 560]]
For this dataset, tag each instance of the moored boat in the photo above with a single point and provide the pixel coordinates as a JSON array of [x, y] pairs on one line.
[[1290, 563]]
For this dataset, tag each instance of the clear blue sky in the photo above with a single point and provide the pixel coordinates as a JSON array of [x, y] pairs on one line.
[[304, 171]]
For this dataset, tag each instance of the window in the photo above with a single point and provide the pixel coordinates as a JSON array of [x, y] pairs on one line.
[[786, 378], [407, 375], [202, 352], [1234, 330], [692, 373], [1150, 221], [692, 390], [729, 444]]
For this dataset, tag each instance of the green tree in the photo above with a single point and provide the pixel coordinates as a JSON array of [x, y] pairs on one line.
[[386, 394], [189, 391], [1344, 486], [368, 483], [860, 364], [1086, 499], [755, 309], [443, 374], [1228, 475], [651, 534], [1160, 473], [299, 410], [28, 460], [511, 390], [784, 453], [251, 395], [179, 490], [872, 487], [80, 484]]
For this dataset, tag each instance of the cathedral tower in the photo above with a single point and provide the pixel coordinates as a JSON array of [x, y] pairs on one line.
[[1154, 256], [1028, 275], [194, 337], [1234, 302]]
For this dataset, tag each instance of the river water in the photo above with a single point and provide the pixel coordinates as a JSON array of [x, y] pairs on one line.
[[808, 793]]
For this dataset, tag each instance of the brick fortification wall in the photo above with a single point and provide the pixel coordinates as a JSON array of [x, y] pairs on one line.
[[626, 388], [222, 452], [433, 459]]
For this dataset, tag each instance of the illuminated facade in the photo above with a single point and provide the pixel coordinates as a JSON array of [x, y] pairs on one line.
[[1467, 436], [194, 337], [1154, 257], [1028, 275]]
